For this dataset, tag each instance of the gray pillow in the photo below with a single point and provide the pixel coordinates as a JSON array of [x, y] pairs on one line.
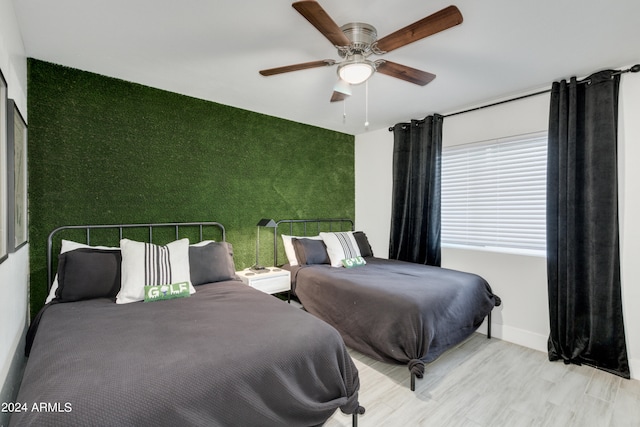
[[211, 263], [310, 251], [88, 273], [363, 243]]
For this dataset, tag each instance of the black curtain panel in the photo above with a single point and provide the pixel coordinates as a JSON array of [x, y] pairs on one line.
[[583, 256], [415, 216]]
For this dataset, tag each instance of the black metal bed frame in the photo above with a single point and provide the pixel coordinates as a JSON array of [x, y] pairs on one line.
[[340, 221], [120, 228]]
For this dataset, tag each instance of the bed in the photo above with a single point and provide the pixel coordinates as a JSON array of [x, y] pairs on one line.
[[225, 355], [391, 310]]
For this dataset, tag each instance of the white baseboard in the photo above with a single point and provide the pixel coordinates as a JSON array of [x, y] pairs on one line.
[[517, 336], [634, 367]]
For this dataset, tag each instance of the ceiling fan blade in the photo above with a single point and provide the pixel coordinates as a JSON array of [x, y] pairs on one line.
[[432, 24], [338, 96], [315, 14], [403, 72], [296, 67]]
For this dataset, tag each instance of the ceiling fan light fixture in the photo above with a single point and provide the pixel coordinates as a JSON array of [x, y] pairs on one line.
[[356, 70]]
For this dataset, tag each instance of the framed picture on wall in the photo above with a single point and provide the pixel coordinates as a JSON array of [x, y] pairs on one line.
[[4, 235], [16, 177]]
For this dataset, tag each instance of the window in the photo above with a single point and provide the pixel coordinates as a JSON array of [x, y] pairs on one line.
[[494, 194]]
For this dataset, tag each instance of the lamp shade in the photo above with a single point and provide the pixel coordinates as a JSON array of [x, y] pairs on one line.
[[266, 222], [342, 87]]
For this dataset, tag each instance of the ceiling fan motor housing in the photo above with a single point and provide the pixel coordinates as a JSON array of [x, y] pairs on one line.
[[361, 35]]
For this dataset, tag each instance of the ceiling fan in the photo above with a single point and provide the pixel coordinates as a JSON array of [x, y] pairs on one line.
[[357, 41]]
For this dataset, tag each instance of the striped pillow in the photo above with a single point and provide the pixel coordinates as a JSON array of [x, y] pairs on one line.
[[341, 245], [146, 264]]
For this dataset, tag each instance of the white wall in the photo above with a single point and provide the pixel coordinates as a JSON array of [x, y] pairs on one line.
[[629, 184], [374, 180], [521, 281], [14, 271]]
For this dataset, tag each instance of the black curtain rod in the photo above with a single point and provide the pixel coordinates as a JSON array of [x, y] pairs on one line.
[[634, 69]]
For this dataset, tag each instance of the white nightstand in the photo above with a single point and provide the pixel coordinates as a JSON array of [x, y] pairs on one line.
[[272, 281]]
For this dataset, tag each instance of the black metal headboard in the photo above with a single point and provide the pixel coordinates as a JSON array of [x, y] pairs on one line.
[[139, 231], [307, 227]]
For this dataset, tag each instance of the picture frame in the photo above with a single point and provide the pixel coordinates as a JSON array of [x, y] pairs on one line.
[[4, 232], [17, 209]]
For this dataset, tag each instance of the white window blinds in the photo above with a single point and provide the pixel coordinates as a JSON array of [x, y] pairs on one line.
[[494, 194]]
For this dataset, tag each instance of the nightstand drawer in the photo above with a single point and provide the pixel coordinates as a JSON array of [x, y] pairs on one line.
[[271, 285], [272, 281]]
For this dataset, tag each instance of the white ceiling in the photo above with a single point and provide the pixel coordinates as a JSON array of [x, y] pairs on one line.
[[213, 50]]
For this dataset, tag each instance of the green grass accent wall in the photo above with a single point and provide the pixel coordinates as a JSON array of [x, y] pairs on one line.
[[103, 150]]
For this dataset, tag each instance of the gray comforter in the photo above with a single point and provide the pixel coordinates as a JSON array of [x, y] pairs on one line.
[[227, 355], [396, 311]]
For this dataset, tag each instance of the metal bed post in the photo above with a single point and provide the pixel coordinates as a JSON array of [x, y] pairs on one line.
[[354, 416]]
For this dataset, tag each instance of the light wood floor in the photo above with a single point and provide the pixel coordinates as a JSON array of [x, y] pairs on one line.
[[493, 383]]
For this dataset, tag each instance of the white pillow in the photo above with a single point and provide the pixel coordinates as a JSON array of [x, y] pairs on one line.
[[341, 245], [149, 264], [68, 245], [288, 247]]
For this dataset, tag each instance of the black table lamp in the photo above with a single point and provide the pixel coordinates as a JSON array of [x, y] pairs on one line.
[[264, 222]]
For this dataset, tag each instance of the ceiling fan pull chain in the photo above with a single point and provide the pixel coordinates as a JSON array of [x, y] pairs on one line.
[[344, 112], [366, 105]]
